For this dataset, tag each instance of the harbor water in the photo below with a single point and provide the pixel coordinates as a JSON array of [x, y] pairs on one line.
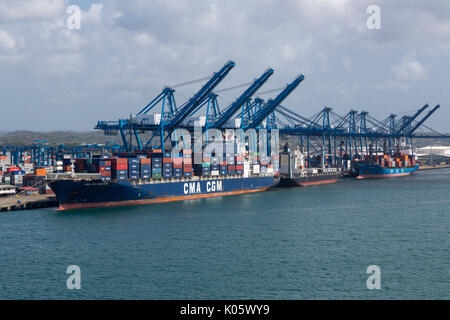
[[298, 243]]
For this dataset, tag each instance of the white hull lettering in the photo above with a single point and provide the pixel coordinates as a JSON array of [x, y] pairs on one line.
[[195, 187]]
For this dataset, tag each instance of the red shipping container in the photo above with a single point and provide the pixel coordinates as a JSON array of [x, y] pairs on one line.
[[177, 161], [167, 160], [119, 164], [231, 167], [146, 161], [187, 160], [239, 167]]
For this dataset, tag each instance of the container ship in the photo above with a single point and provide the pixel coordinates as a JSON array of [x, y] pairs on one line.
[[159, 177], [385, 166], [293, 171]]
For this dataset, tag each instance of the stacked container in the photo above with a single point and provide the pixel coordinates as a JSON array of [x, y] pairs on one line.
[[167, 166], [146, 168], [157, 166], [35, 181], [263, 162], [276, 164], [239, 164], [187, 163], [133, 168], [223, 167], [215, 169], [177, 165], [119, 169], [206, 166], [105, 170], [6, 179], [231, 164], [17, 177]]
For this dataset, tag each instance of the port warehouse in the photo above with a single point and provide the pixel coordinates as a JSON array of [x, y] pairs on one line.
[[328, 140]]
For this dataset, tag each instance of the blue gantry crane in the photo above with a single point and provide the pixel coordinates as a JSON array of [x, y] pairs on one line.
[[168, 120], [325, 133]]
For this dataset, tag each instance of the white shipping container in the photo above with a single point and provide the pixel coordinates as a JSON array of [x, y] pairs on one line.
[[256, 168], [215, 172]]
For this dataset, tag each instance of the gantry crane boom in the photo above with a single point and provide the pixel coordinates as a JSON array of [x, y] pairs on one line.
[[272, 104], [411, 119], [202, 94], [237, 104], [423, 119]]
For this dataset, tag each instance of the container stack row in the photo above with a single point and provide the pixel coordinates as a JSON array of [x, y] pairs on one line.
[[159, 165]]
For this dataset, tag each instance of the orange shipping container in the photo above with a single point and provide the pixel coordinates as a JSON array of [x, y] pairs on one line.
[[40, 172]]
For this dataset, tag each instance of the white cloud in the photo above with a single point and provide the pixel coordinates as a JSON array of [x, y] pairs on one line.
[[127, 50], [31, 9], [409, 69], [7, 42], [93, 15]]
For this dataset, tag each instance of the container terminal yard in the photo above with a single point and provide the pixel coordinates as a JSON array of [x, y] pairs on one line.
[[150, 167]]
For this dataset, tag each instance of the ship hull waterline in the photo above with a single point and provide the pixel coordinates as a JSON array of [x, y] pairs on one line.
[[308, 181], [86, 194], [377, 172]]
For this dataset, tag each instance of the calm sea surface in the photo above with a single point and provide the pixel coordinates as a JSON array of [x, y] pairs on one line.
[[299, 243]]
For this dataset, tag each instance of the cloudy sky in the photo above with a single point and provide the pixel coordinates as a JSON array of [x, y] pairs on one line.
[[126, 51]]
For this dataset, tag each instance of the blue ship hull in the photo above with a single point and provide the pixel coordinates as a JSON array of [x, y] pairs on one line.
[[75, 194], [365, 171]]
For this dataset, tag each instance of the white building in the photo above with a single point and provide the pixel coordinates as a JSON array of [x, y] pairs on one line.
[[433, 150]]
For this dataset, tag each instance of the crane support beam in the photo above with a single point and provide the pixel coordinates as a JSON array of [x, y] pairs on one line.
[[200, 96], [411, 119], [423, 119], [270, 106], [239, 102]]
